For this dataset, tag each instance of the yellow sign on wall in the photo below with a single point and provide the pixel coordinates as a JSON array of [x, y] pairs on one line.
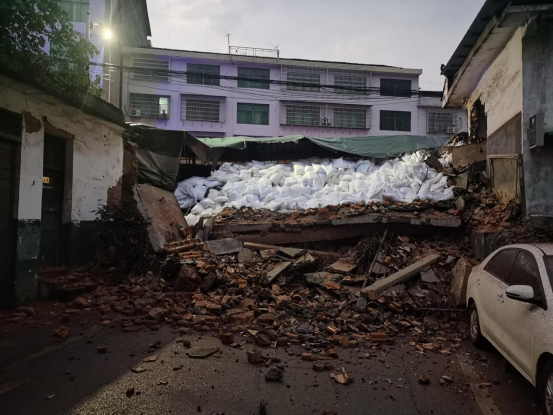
[[45, 180]]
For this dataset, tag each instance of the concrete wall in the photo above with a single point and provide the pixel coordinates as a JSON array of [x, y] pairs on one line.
[[273, 97], [500, 88], [94, 168], [537, 45]]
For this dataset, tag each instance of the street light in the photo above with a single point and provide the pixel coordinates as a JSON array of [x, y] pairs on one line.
[[107, 35]]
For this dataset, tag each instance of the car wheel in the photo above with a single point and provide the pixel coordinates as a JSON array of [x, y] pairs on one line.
[[545, 389], [474, 327]]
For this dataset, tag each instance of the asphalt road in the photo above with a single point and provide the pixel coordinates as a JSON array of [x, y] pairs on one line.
[[41, 376]]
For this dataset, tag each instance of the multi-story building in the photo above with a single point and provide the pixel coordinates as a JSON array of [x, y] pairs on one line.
[[253, 92], [109, 25]]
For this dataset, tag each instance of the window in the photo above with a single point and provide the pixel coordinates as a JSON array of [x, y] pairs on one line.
[[253, 74], [350, 118], [201, 108], [76, 9], [395, 121], [395, 87], [253, 114], [500, 265], [525, 272], [149, 106], [303, 115], [438, 122], [147, 69], [353, 84], [303, 77], [203, 74]]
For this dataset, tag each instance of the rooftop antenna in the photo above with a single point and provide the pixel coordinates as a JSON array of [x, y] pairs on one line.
[[227, 35]]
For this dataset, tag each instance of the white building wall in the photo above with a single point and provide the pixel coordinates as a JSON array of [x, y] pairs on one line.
[[500, 88], [434, 104], [273, 97], [97, 154]]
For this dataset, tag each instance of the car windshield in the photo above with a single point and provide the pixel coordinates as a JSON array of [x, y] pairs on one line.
[[548, 259]]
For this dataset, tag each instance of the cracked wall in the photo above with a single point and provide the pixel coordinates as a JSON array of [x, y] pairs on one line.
[[94, 165]]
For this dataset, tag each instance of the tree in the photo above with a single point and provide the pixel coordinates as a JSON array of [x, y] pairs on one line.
[[25, 27]]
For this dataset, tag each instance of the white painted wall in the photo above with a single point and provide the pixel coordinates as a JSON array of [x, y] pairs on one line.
[[434, 104], [500, 88], [97, 152]]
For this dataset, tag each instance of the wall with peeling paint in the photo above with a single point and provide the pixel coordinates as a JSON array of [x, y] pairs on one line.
[[500, 88], [94, 166]]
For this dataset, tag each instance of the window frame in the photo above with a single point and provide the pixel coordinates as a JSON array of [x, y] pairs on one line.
[[490, 262], [202, 100], [298, 74], [539, 292], [296, 114], [161, 106], [429, 114], [146, 75], [395, 87], [253, 111], [387, 114], [348, 80], [263, 74], [77, 8], [198, 76], [336, 116]]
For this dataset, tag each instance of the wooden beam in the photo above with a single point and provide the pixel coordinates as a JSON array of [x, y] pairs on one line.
[[402, 275]]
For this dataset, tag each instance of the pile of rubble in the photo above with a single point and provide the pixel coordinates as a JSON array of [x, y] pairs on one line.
[[274, 296]]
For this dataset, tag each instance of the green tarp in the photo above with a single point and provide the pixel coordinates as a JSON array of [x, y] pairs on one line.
[[159, 151], [382, 146]]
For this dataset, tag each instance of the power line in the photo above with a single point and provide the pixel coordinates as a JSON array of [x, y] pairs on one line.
[[208, 76]]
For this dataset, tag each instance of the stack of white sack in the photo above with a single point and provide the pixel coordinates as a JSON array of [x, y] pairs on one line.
[[311, 183]]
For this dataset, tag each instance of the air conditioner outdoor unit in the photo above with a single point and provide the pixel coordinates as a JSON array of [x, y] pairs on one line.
[[135, 113], [326, 122], [451, 130]]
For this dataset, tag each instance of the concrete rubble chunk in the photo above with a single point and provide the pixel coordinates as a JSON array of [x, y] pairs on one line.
[[161, 211], [254, 356], [201, 353], [224, 246], [291, 252], [458, 289], [320, 278], [402, 275], [274, 375], [342, 266], [278, 269], [245, 256], [429, 276]]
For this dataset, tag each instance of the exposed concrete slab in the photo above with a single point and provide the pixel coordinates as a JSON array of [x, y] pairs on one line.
[[471, 153], [402, 275], [225, 246], [160, 208]]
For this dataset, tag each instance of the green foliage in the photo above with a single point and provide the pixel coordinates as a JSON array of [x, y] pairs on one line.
[[25, 27]]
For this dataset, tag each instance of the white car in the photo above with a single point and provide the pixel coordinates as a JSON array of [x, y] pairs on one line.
[[510, 303]]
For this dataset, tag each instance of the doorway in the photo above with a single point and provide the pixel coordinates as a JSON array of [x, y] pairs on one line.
[[8, 179], [51, 232]]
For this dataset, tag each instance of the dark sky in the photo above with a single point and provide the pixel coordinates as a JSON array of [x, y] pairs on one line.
[[407, 33]]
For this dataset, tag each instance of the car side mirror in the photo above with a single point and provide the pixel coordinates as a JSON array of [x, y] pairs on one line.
[[523, 293]]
